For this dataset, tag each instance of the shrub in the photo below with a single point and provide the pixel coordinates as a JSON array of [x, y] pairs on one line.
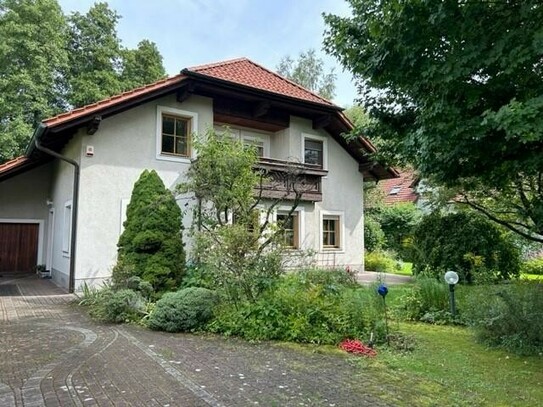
[[184, 310], [374, 237], [428, 301], [466, 243], [198, 275], [150, 246], [508, 316], [381, 262], [398, 222], [306, 307], [533, 266], [117, 306]]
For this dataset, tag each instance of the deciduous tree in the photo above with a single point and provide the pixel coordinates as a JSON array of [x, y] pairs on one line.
[[456, 90], [32, 55], [308, 71]]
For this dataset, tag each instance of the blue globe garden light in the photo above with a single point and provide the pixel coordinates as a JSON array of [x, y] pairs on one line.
[[451, 277]]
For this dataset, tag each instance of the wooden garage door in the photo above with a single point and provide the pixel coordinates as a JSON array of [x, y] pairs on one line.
[[18, 246]]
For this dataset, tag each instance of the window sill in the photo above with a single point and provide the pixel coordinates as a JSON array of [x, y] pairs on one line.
[[337, 250], [173, 158]]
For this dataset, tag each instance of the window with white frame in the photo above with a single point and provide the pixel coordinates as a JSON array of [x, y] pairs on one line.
[[315, 150], [67, 229], [259, 141], [332, 231], [175, 128]]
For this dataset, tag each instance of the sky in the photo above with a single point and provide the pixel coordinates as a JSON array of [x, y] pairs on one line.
[[195, 32]]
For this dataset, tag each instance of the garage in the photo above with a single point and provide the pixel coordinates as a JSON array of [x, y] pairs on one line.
[[18, 246]]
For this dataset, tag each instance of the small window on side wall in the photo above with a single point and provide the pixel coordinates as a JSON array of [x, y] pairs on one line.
[[176, 138], [331, 232], [67, 229], [174, 130]]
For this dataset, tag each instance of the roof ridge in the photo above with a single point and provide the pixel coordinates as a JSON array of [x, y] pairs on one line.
[[291, 82], [216, 64], [111, 98]]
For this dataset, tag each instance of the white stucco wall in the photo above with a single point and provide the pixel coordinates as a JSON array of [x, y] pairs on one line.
[[124, 146], [23, 199], [62, 193], [342, 195]]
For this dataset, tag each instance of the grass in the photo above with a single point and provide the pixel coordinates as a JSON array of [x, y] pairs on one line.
[[405, 270], [447, 367], [531, 277]]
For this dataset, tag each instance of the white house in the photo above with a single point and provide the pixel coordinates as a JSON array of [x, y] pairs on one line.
[[62, 204]]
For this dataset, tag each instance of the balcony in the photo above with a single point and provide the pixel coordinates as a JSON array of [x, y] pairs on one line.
[[290, 179]]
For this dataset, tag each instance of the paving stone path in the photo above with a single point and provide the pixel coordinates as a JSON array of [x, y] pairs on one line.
[[53, 355]]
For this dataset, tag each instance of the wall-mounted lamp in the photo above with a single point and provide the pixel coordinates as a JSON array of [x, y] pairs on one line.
[[49, 202]]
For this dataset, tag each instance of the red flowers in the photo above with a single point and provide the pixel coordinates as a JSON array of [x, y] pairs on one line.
[[357, 347]]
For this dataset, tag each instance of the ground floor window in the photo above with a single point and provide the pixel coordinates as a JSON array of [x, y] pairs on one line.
[[331, 232], [290, 224]]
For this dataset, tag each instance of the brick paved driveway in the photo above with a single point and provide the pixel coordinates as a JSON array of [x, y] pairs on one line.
[[53, 355]]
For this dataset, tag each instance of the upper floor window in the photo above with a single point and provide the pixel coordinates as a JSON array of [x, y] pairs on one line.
[[174, 134], [315, 150], [258, 140]]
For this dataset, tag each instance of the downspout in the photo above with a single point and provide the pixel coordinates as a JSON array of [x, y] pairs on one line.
[[75, 198]]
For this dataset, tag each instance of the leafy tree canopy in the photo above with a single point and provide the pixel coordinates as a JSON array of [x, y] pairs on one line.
[[50, 62], [32, 55], [308, 71], [456, 90]]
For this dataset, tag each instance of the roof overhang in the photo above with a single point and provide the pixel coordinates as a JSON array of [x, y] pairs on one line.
[[56, 132]]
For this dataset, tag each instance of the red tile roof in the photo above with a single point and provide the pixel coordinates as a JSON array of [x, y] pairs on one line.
[[16, 162], [112, 101], [400, 189], [242, 71]]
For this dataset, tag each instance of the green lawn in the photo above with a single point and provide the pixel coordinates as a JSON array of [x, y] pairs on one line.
[[531, 277], [448, 368]]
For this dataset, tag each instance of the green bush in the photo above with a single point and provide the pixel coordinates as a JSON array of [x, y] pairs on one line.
[[306, 307], [117, 306], [467, 243], [508, 315], [381, 262], [398, 222], [150, 246], [533, 266], [374, 237], [428, 301], [184, 310]]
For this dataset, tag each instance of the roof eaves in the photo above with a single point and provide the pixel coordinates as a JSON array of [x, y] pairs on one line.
[[282, 96]]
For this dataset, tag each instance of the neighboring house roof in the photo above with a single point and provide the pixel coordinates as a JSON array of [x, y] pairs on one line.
[[402, 189], [239, 77]]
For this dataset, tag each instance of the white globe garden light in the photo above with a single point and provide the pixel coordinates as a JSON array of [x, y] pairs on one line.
[[451, 277]]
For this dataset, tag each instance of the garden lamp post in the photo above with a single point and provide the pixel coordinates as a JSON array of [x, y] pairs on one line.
[[451, 277]]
